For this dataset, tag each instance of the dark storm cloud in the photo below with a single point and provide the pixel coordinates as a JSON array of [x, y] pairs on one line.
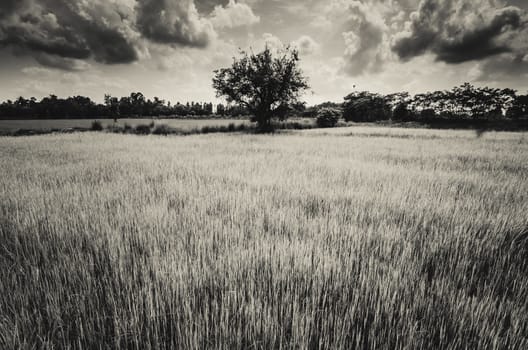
[[173, 22], [58, 62], [112, 31], [207, 6], [8, 6], [69, 29], [458, 31]]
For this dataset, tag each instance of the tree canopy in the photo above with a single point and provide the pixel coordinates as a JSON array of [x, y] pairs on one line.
[[365, 107], [268, 84]]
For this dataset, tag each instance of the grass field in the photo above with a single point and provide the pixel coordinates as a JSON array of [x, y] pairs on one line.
[[366, 238], [53, 124]]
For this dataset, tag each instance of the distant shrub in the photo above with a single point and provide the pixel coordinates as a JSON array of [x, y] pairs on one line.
[[206, 129], [143, 129], [152, 124], [162, 130], [96, 126], [127, 128], [192, 131], [24, 132], [328, 117]]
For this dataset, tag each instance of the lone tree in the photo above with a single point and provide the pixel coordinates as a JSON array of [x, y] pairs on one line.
[[266, 84]]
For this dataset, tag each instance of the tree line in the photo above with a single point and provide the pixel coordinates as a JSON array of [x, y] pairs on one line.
[[135, 105], [462, 103]]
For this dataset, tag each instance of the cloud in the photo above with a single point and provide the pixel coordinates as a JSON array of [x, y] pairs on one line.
[[35, 71], [173, 22], [186, 60], [233, 15], [502, 67], [460, 31], [63, 33], [97, 29], [62, 63], [352, 43], [306, 45], [272, 42], [365, 38]]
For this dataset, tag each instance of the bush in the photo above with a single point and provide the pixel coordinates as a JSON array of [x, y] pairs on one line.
[[162, 130], [96, 126], [143, 129], [328, 117]]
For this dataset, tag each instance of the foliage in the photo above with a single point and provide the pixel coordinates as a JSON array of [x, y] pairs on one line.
[[365, 107], [312, 111], [161, 129], [266, 84], [135, 105], [401, 112], [463, 103], [143, 129], [328, 117], [427, 114], [519, 108], [96, 126]]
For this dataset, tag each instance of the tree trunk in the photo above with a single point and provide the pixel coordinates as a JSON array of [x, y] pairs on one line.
[[264, 123]]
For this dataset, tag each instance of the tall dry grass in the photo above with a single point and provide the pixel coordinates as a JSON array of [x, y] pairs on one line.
[[350, 238]]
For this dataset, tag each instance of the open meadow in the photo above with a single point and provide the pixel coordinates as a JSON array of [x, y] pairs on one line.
[[366, 238]]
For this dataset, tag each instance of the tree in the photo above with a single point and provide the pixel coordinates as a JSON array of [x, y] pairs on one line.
[[365, 107], [328, 117], [220, 109], [399, 104], [519, 108], [401, 112], [267, 84]]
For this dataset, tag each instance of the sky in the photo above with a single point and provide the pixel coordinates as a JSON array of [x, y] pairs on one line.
[[170, 48]]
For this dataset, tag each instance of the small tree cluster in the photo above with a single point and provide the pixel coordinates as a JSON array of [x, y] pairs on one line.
[[328, 117], [365, 107]]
